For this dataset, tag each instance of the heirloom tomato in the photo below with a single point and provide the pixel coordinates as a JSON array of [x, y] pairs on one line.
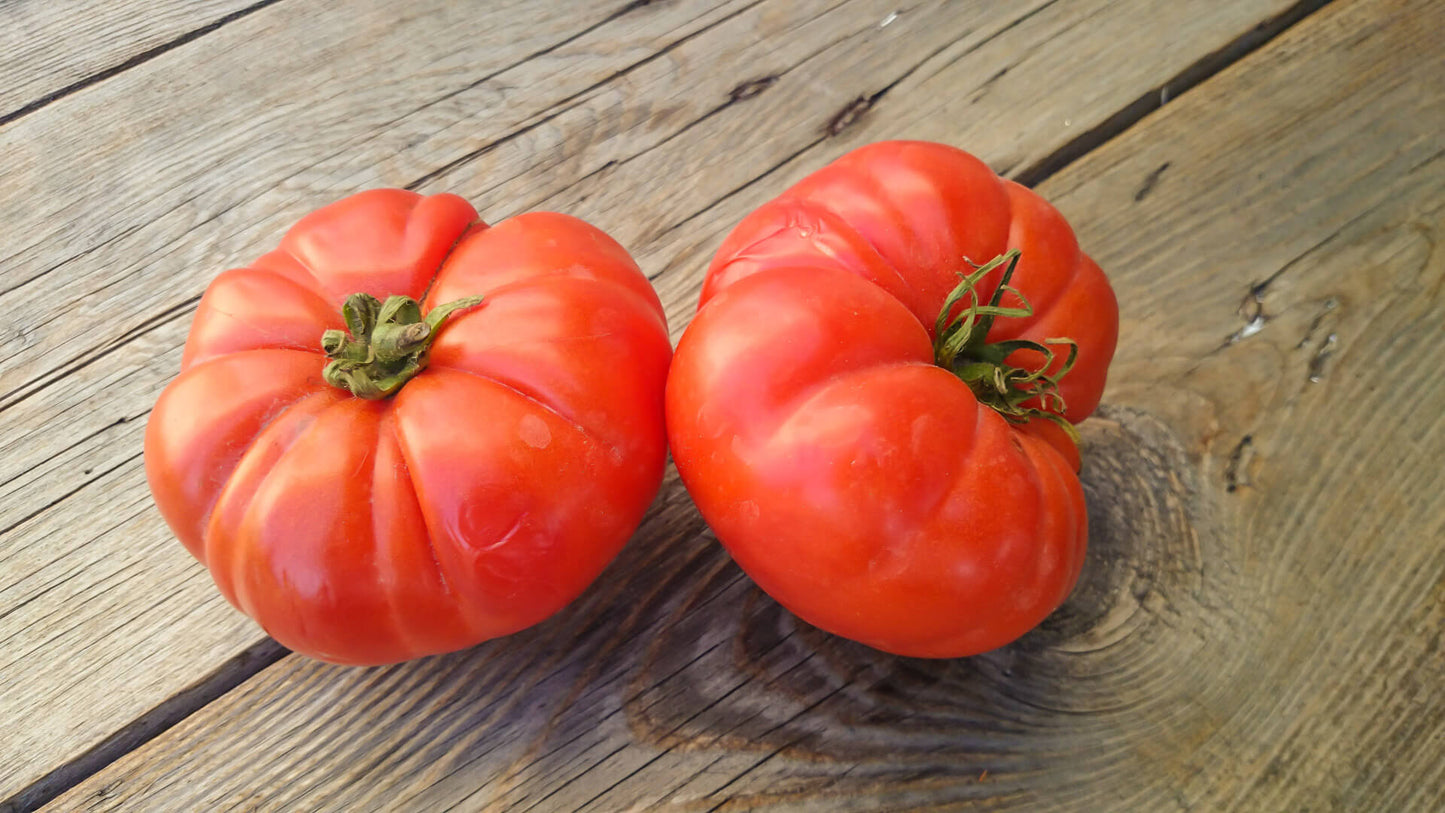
[[404, 431], [874, 405]]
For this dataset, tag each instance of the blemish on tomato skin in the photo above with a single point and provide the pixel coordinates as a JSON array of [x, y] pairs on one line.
[[534, 432], [748, 511]]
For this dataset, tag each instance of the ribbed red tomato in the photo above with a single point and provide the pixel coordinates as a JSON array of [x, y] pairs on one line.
[[901, 479], [454, 471]]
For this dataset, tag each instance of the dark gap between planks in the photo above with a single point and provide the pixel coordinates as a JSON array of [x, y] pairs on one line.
[[245, 665], [259, 656], [138, 59]]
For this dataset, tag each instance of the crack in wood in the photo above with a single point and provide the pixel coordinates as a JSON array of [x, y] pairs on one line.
[[751, 88], [1321, 356], [76, 444], [67, 495], [1252, 309], [1150, 181], [1327, 308], [1237, 464], [850, 114], [987, 85]]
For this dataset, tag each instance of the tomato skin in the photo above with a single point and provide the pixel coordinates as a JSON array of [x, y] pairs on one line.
[[858, 483], [482, 497]]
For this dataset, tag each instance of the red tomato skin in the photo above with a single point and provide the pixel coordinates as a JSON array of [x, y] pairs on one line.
[[478, 500], [859, 484]]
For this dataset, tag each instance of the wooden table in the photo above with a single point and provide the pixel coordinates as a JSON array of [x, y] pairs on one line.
[[1259, 623]]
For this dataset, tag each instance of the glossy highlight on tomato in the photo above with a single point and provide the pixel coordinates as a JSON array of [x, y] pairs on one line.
[[857, 481], [485, 492]]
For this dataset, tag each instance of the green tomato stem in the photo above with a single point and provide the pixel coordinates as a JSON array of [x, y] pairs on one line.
[[384, 345], [961, 346]]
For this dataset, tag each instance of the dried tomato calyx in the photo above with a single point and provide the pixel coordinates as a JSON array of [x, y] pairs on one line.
[[384, 344], [961, 346]]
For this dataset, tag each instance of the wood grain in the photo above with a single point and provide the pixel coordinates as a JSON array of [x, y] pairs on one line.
[[648, 87], [86, 564], [1244, 637], [97, 314], [49, 50]]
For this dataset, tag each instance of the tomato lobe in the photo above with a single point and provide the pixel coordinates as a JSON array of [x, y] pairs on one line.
[[857, 482], [478, 497]]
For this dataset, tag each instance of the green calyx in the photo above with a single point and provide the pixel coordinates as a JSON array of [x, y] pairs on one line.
[[384, 344], [961, 346]]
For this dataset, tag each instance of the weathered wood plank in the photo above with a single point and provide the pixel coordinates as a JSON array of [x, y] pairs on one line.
[[108, 314], [119, 291], [75, 443], [149, 359], [282, 109], [48, 49], [588, 148], [672, 682]]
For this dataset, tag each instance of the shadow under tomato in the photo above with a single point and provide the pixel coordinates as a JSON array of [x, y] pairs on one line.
[[732, 670], [674, 651]]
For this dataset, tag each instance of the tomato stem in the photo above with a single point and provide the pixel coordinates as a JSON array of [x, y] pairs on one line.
[[961, 346], [384, 344]]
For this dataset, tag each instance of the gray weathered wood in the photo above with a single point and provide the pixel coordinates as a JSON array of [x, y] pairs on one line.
[[94, 398], [1243, 638], [81, 310], [72, 430], [47, 48]]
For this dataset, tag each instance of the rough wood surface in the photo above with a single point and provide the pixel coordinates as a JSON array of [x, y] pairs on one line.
[[102, 294], [1259, 624], [598, 115], [49, 49]]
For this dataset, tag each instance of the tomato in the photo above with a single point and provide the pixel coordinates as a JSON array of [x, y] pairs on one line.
[[870, 477], [447, 469]]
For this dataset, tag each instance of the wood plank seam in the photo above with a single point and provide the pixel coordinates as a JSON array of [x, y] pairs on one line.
[[552, 665], [695, 604], [197, 33], [880, 94], [182, 309], [847, 116], [30, 388], [569, 102], [12, 397], [1201, 70], [1053, 163], [169, 315], [665, 15], [245, 665], [138, 59]]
